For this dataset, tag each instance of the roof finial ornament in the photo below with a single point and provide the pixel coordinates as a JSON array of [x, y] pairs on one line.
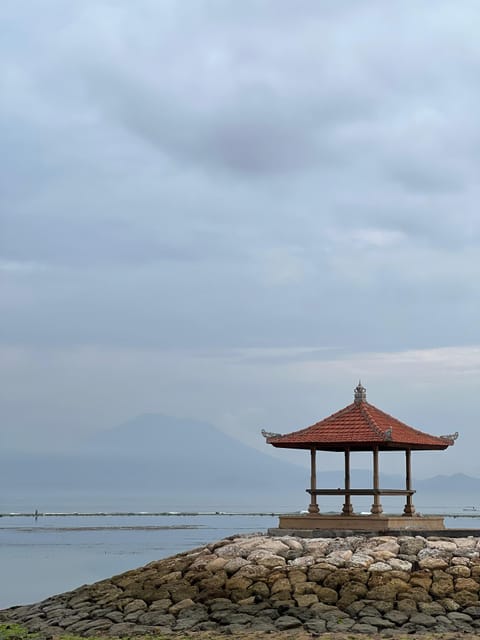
[[360, 393]]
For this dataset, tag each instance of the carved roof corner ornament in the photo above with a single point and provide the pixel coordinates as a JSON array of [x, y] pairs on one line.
[[270, 434], [450, 436]]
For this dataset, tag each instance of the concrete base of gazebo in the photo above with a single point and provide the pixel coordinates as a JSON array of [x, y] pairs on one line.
[[381, 523]]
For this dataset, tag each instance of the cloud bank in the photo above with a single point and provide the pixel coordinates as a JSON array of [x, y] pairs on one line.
[[228, 177]]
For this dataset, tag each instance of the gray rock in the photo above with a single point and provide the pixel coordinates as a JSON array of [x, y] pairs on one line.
[[160, 605], [422, 619], [222, 617], [35, 624], [398, 617], [115, 616], [253, 609], [157, 619], [457, 616], [446, 622], [473, 611], [302, 614], [287, 622], [234, 564], [381, 567], [79, 600], [466, 553], [377, 621], [53, 609], [285, 602], [42, 628], [408, 557], [342, 544], [132, 617], [69, 620], [383, 606], [273, 614], [135, 605], [186, 625], [340, 625], [298, 544], [19, 612], [37, 614], [433, 559], [101, 613], [339, 558], [176, 608], [333, 613], [411, 546], [207, 626], [198, 612], [55, 622], [441, 543], [240, 618], [368, 610], [354, 609], [316, 626], [463, 626], [361, 627], [84, 626], [411, 628], [220, 604], [262, 625]]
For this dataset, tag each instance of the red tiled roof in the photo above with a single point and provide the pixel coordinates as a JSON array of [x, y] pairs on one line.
[[360, 426]]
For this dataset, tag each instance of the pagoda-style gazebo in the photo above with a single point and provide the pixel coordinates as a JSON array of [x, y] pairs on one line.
[[360, 427]]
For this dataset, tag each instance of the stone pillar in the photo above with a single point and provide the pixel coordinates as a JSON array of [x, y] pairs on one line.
[[347, 506], [313, 507], [377, 505], [409, 509]]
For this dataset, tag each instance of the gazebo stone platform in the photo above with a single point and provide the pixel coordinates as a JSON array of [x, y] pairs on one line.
[[377, 523], [360, 426]]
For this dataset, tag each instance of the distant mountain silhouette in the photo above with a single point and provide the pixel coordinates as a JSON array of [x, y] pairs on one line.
[[154, 452], [152, 434], [456, 483], [168, 457]]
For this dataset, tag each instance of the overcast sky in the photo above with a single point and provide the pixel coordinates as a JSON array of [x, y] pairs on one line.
[[233, 210]]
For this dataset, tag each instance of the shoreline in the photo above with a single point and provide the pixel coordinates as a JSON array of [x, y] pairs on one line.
[[259, 583]]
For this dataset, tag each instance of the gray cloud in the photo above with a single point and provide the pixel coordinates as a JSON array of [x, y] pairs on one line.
[[234, 175]]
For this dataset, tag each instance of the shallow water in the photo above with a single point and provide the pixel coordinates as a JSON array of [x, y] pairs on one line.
[[52, 554]]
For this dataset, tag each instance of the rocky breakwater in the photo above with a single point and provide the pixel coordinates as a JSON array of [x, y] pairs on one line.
[[262, 583]]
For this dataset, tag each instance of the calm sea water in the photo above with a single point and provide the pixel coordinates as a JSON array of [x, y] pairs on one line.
[[52, 554]]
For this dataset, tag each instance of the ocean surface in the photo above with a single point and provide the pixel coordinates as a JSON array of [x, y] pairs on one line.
[[61, 549]]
